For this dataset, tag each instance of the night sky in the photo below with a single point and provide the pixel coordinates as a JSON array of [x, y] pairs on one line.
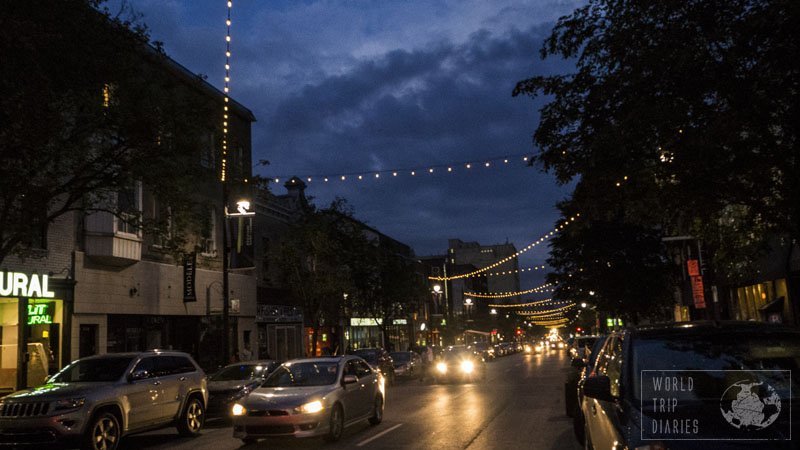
[[347, 87]]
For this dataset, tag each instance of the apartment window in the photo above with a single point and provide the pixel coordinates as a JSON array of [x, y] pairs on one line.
[[208, 152], [208, 244], [129, 206], [163, 232]]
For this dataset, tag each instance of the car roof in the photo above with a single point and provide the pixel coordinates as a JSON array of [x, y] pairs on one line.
[[154, 352], [259, 362], [334, 359], [708, 327]]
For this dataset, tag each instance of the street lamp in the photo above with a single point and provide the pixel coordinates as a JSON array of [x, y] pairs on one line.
[[468, 307], [242, 210]]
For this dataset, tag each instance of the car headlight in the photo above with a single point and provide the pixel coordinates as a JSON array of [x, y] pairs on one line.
[[310, 407], [238, 410], [441, 367], [69, 403], [467, 366]]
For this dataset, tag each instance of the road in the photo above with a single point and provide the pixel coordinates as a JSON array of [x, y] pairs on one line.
[[521, 405]]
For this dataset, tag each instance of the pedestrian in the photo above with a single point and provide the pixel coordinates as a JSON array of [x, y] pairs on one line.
[[246, 354]]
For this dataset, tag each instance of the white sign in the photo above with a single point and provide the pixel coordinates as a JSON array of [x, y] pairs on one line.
[[400, 322], [14, 284], [365, 322]]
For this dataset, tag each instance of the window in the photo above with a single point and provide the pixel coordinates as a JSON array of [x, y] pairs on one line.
[[108, 95], [129, 203], [163, 232], [208, 245], [148, 365], [208, 152], [362, 369]]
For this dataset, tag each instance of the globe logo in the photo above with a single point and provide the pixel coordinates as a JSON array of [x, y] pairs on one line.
[[750, 405]]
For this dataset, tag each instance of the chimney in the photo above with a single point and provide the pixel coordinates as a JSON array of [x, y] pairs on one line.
[[296, 189]]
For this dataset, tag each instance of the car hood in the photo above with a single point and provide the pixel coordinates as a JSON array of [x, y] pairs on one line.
[[286, 397], [55, 391], [229, 385]]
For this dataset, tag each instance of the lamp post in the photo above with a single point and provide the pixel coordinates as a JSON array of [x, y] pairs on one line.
[[468, 308], [242, 210]]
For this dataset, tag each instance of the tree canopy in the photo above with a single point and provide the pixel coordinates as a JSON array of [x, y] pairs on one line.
[[87, 110], [680, 117]]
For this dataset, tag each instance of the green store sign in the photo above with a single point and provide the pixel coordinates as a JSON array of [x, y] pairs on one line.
[[40, 314]]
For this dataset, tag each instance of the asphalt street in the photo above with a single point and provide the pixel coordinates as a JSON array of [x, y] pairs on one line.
[[520, 405]]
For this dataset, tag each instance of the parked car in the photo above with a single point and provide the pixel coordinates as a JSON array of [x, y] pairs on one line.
[[311, 397], [407, 364], [485, 349], [577, 391], [458, 363], [233, 382], [95, 401], [681, 386], [581, 346], [581, 366], [380, 360]]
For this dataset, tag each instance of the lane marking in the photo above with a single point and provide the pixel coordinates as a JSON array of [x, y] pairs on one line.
[[367, 441]]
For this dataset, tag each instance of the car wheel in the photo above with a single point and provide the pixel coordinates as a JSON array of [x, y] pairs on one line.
[[377, 411], [192, 418], [104, 433], [336, 424]]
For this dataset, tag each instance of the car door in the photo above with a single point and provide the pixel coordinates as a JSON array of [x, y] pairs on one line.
[[169, 379], [351, 398], [602, 417], [368, 383], [143, 394]]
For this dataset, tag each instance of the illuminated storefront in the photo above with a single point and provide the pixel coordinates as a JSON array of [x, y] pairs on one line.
[[34, 328]]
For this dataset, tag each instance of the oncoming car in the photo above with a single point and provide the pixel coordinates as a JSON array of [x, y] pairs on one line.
[[233, 382], [311, 397], [459, 363]]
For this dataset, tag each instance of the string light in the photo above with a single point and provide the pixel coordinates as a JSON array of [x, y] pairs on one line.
[[224, 162], [413, 171], [508, 258], [507, 294], [528, 304]]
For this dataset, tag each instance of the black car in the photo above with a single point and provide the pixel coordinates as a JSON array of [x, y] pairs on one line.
[[581, 366], [694, 385], [380, 360], [485, 350], [233, 382]]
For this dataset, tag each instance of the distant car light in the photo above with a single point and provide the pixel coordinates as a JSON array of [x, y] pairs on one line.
[[238, 410], [312, 407], [528, 348], [467, 366], [560, 345], [441, 367]]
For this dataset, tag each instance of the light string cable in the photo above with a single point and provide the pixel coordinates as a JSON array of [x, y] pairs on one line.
[[543, 288], [411, 171], [226, 90], [509, 258]]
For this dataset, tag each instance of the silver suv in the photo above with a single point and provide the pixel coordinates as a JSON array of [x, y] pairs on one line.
[[95, 401]]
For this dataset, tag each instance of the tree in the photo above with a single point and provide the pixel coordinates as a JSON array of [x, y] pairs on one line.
[[681, 118], [315, 267], [88, 109]]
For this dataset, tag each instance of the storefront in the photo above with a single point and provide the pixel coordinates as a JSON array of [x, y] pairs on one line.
[[35, 312]]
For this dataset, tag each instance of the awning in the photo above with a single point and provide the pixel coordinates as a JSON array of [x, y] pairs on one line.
[[774, 306]]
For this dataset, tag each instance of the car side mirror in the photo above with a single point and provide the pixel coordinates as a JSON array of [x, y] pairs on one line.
[[598, 387], [578, 363], [349, 379]]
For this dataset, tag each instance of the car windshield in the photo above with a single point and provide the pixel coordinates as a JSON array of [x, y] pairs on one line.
[[401, 357], [240, 372], [370, 356], [94, 370], [711, 359], [456, 352], [303, 374]]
